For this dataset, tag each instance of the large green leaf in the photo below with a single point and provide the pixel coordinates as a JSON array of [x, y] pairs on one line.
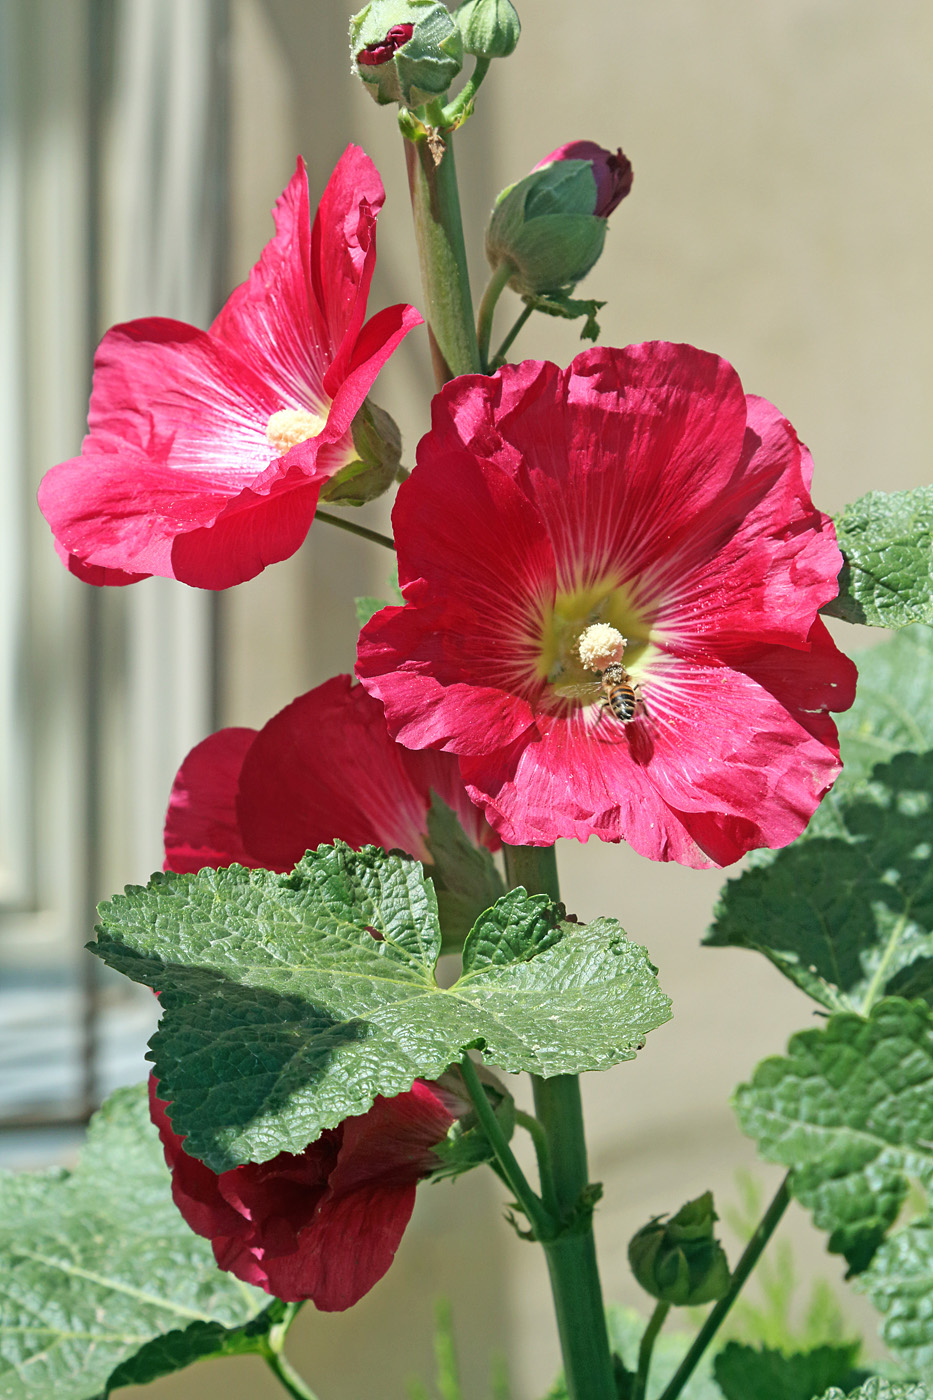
[[290, 1001], [899, 1282], [887, 548], [96, 1264], [743, 1372], [850, 1112], [847, 911]]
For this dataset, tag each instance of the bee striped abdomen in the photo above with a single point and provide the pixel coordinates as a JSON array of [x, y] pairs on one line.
[[619, 694]]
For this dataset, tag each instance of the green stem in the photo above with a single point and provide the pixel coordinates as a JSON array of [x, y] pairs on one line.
[[278, 1363], [355, 529], [647, 1347], [499, 358], [541, 1222], [542, 1153], [571, 1257], [487, 308], [753, 1250], [435, 203], [461, 108]]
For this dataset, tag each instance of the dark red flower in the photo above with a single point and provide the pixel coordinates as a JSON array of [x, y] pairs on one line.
[[612, 172], [641, 495], [323, 769], [206, 450], [325, 1223]]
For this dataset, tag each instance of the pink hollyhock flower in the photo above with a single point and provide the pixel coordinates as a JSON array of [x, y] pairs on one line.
[[206, 450], [325, 1223], [638, 494], [612, 172], [323, 769]]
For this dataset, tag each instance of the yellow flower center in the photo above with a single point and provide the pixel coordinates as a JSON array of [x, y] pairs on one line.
[[290, 426], [603, 617]]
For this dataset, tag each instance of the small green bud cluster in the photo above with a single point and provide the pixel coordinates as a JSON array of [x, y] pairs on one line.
[[406, 51], [680, 1261]]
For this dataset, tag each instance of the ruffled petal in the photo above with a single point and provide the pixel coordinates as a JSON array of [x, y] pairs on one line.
[[201, 826]]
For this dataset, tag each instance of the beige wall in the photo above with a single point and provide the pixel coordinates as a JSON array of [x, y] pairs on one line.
[[781, 215]]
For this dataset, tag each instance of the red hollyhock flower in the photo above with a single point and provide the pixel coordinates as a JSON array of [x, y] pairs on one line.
[[325, 1223], [206, 450], [323, 769], [612, 172], [640, 490]]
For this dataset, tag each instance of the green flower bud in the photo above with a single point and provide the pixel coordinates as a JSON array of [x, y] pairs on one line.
[[551, 226], [378, 445], [680, 1262], [406, 51], [490, 28]]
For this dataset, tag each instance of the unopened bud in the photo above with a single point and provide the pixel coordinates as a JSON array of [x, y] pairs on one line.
[[490, 28], [406, 51], [378, 446], [680, 1261], [551, 226]]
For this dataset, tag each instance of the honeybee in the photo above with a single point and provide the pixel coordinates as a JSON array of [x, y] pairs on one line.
[[621, 695]]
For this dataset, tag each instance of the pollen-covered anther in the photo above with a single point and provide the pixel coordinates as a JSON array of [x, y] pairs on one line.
[[290, 426], [599, 645]]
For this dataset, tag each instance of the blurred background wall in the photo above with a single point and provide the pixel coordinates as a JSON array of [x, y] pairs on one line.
[[781, 215]]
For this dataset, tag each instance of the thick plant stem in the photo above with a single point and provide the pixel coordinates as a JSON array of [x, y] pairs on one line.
[[571, 1257], [753, 1250], [647, 1347], [435, 203]]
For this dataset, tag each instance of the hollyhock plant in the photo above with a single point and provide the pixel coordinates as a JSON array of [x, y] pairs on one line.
[[325, 1223], [636, 510], [323, 769], [207, 450]]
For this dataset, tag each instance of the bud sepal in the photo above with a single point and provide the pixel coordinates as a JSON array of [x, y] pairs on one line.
[[680, 1261], [377, 465], [406, 51]]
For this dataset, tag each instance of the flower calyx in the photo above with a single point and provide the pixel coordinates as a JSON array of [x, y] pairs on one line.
[[679, 1261], [551, 225], [376, 466], [406, 51], [466, 1145]]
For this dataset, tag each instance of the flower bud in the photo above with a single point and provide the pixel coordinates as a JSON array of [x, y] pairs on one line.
[[406, 51], [551, 226], [680, 1262], [490, 28], [466, 1145], [378, 445]]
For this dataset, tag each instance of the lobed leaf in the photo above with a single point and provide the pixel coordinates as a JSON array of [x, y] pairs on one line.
[[101, 1281], [877, 1388], [850, 1111], [886, 540], [899, 1282], [291, 1001], [743, 1371], [846, 912]]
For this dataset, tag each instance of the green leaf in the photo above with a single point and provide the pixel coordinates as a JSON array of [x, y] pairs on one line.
[[202, 1340], [744, 1371], [290, 1001], [877, 1388], [899, 1282], [887, 574], [568, 308], [847, 911], [850, 1111], [368, 607], [848, 917], [96, 1264], [465, 877]]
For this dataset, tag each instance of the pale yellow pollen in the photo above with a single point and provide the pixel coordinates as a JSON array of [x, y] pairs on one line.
[[290, 426], [599, 645]]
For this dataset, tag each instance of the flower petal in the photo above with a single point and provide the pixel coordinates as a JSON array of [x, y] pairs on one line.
[[201, 827]]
